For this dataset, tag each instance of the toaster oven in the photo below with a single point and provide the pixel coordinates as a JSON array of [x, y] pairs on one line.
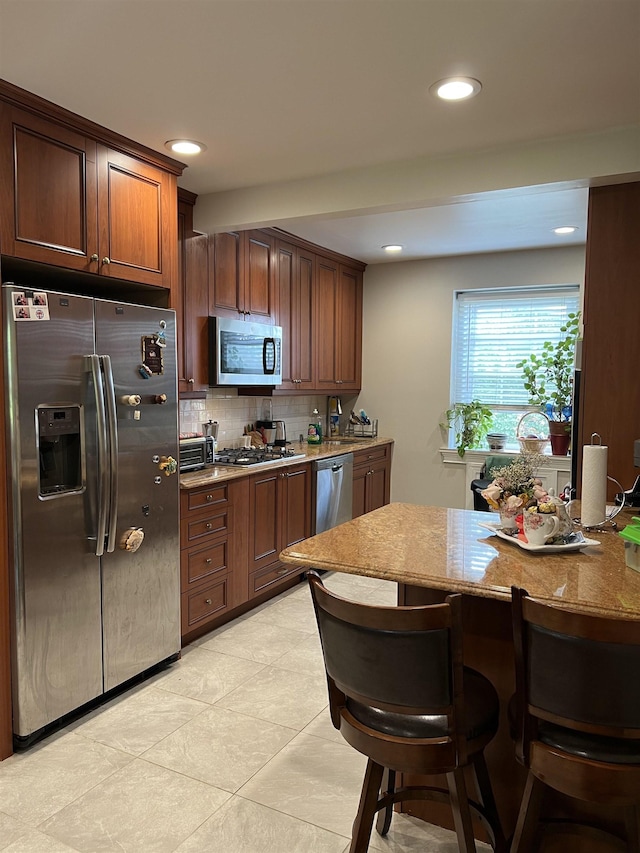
[[195, 453]]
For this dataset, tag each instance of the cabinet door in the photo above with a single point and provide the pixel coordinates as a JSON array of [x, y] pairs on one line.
[[258, 272], [377, 486], [49, 190], [360, 490], [349, 329], [295, 506], [295, 278], [226, 298], [137, 205], [264, 520], [192, 306], [325, 330]]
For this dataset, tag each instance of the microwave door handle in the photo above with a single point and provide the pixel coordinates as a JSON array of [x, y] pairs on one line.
[[112, 423], [103, 482], [268, 343]]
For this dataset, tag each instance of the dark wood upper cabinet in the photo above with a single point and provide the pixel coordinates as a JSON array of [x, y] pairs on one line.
[[338, 327], [50, 192], [137, 231], [193, 304], [295, 280], [73, 198], [242, 276]]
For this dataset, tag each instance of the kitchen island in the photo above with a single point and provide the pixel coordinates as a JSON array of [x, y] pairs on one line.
[[433, 551]]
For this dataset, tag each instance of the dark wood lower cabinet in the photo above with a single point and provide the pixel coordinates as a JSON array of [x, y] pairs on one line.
[[279, 516], [232, 533], [371, 479], [213, 555]]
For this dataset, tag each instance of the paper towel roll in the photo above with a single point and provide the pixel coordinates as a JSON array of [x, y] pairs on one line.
[[594, 485]]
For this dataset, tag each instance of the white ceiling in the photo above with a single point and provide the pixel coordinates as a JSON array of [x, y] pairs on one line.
[[284, 90]]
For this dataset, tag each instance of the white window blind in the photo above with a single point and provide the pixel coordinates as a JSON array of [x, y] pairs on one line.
[[494, 330]]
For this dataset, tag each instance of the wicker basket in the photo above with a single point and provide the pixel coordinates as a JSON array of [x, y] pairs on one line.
[[530, 443]]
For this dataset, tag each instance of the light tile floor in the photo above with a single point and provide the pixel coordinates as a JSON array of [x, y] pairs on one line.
[[230, 750]]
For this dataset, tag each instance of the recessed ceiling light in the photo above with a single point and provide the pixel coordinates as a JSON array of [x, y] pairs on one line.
[[393, 247], [456, 88], [185, 146], [565, 229]]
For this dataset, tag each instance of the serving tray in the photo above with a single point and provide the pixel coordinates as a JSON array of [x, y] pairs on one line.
[[577, 541]]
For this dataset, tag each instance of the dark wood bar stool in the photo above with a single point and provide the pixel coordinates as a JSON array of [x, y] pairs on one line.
[[577, 717], [399, 694]]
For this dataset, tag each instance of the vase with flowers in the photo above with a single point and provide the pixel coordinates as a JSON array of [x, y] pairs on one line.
[[516, 490]]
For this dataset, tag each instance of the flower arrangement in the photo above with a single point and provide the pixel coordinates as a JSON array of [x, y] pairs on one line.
[[515, 487], [518, 494]]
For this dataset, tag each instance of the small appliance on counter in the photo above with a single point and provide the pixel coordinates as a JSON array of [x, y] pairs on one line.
[[334, 410]]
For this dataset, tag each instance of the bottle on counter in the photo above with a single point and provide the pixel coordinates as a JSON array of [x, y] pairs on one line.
[[314, 432]]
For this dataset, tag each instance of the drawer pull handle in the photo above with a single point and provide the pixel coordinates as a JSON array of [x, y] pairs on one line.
[[208, 525], [208, 560], [207, 601], [283, 572], [209, 497]]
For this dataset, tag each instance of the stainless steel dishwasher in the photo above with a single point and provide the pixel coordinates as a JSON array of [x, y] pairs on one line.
[[334, 491]]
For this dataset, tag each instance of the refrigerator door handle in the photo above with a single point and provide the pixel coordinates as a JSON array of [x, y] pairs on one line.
[[103, 481], [112, 422]]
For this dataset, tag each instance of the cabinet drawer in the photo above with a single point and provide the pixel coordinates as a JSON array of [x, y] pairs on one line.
[[199, 499], [199, 563], [194, 530], [371, 454], [271, 577], [201, 605]]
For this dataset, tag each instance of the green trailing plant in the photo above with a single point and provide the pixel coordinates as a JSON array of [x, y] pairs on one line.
[[548, 375], [471, 423]]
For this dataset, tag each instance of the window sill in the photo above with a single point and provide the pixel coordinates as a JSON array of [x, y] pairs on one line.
[[450, 456]]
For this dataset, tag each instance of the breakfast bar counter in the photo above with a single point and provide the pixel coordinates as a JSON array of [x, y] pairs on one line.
[[449, 550], [433, 551]]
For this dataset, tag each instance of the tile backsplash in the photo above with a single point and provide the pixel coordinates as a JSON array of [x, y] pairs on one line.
[[234, 412]]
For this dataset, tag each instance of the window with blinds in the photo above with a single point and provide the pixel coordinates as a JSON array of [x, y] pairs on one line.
[[494, 330]]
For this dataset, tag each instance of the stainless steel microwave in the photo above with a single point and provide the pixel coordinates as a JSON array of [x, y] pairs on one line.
[[244, 353]]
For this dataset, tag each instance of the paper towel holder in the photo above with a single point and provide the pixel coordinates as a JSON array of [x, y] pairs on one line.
[[609, 519]]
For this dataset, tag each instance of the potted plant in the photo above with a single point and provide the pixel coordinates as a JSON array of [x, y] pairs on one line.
[[548, 378], [471, 422]]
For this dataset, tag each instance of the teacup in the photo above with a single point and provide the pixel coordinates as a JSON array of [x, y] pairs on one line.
[[508, 518], [540, 527]]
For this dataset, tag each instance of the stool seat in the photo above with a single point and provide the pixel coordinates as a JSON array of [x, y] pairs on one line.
[[592, 747], [481, 717]]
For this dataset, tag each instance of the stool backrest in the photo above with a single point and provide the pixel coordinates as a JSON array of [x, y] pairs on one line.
[[406, 660], [576, 670]]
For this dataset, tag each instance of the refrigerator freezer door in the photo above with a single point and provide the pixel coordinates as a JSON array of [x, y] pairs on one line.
[[57, 640], [140, 586]]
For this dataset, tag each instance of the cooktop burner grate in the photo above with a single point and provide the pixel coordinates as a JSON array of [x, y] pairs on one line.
[[254, 456]]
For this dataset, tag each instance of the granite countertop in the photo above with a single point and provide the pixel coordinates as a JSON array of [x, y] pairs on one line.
[[331, 447], [447, 549]]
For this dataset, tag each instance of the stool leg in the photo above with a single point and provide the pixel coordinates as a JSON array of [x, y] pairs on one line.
[[384, 815], [527, 824], [461, 810], [485, 792], [366, 808]]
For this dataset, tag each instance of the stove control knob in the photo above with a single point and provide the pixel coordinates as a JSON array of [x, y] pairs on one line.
[[130, 400]]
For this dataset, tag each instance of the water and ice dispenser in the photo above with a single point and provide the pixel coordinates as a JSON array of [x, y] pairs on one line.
[[59, 441]]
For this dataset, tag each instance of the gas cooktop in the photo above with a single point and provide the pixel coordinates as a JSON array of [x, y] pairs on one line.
[[254, 455]]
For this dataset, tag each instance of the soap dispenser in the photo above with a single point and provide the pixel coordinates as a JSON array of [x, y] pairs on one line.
[[314, 432]]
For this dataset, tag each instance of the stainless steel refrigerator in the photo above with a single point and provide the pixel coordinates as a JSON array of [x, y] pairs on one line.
[[92, 418]]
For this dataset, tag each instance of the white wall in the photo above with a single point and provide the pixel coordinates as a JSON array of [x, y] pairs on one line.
[[407, 353]]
